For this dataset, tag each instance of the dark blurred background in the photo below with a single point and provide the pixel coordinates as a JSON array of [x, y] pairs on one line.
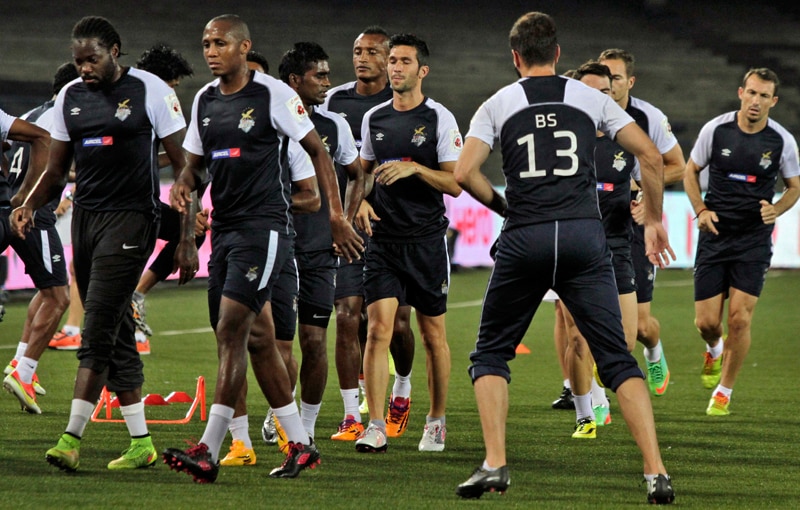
[[690, 55]]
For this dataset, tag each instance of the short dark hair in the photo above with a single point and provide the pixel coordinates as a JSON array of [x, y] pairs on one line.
[[593, 67], [765, 74], [98, 27], [65, 73], [411, 40], [300, 59], [534, 37], [618, 54], [375, 30], [258, 58], [238, 27], [165, 62]]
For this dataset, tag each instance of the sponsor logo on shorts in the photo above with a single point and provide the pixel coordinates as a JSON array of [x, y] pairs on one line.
[[226, 153], [98, 141]]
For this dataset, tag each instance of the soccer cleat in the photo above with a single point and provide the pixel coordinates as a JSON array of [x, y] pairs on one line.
[[64, 342], [660, 491], [658, 376], [36, 386], [712, 370], [239, 455], [433, 437], [140, 454], [363, 408], [372, 440], [596, 376], [268, 433], [564, 401], [602, 415], [196, 461], [143, 348], [484, 481], [349, 429], [137, 304], [299, 457], [281, 438], [397, 416], [586, 428], [718, 405], [66, 454], [23, 391]]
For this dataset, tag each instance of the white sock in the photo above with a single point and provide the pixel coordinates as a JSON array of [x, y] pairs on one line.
[[134, 419], [70, 330], [716, 351], [402, 386], [583, 406], [362, 384], [21, 348], [567, 384], [487, 467], [140, 337], [350, 399], [26, 367], [291, 423], [239, 428], [79, 414], [599, 397], [430, 419], [722, 389], [219, 417], [308, 415], [653, 355]]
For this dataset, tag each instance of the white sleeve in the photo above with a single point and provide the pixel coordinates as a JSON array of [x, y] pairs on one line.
[[789, 157], [299, 162], [59, 127], [346, 152], [45, 120], [5, 124], [163, 107], [701, 152], [482, 124], [448, 137], [289, 115], [366, 142], [192, 142]]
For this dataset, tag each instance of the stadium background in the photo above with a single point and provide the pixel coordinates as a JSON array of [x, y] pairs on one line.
[[690, 59]]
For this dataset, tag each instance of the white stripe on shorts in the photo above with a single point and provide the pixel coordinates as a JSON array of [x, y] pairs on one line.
[[272, 251]]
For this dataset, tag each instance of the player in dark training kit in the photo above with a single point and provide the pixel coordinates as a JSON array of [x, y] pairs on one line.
[[410, 145], [545, 126], [240, 129], [745, 152], [111, 122]]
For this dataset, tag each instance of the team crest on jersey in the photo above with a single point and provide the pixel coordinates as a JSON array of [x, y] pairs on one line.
[[619, 161], [247, 121], [173, 105], [326, 144], [455, 139], [252, 274], [296, 108], [419, 136], [123, 110], [766, 160]]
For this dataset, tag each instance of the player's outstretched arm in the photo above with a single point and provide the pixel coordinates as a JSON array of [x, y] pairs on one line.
[[468, 175]]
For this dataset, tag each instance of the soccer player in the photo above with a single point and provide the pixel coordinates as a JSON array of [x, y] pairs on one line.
[[656, 125], [745, 152], [240, 124], [545, 126], [352, 100], [111, 121], [410, 145], [41, 251]]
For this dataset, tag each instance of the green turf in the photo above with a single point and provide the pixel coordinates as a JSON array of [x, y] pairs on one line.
[[746, 460]]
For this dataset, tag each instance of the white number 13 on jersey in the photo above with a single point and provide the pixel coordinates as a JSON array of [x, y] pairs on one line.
[[561, 153]]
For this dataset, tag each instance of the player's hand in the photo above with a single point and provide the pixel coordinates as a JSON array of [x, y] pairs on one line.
[[346, 241], [365, 216], [186, 261], [201, 225], [392, 171], [63, 207], [706, 221], [180, 196], [637, 211], [768, 213], [657, 246], [21, 221]]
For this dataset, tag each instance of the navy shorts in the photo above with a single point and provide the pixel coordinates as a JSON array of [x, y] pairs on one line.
[[349, 279], [110, 250], [573, 258], [317, 287], [417, 274], [244, 265], [737, 260], [645, 270], [624, 273], [41, 251], [284, 301]]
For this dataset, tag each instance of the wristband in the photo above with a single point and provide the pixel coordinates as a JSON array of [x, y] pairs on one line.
[[701, 212]]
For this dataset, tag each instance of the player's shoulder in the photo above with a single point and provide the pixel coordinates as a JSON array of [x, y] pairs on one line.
[[647, 108], [385, 106], [778, 128], [343, 89], [332, 117], [148, 78], [720, 120]]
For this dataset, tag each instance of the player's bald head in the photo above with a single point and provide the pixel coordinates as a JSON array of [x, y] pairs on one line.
[[235, 26]]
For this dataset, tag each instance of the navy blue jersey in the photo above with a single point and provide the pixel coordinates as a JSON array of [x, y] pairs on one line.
[[615, 167], [244, 140], [410, 209], [115, 135], [743, 168], [314, 230], [351, 106], [546, 128]]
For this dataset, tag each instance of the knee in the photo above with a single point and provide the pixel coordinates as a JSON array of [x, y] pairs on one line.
[[708, 324], [57, 299], [739, 320]]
